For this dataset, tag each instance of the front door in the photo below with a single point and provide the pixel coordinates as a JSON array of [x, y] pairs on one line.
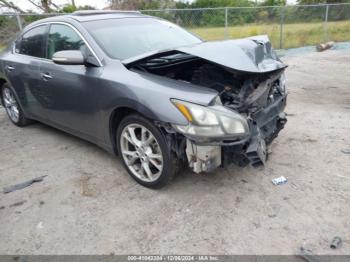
[[72, 88]]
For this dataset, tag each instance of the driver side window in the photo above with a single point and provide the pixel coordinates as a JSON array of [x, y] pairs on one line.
[[31, 43], [61, 38]]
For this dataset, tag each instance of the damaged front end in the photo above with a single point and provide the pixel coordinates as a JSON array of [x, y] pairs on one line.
[[247, 112]]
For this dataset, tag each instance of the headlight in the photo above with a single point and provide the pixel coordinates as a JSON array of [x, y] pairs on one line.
[[213, 121], [282, 84]]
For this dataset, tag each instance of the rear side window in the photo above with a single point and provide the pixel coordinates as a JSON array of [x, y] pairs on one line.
[[62, 37], [32, 42]]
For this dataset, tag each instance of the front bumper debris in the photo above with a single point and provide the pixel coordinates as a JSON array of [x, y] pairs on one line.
[[264, 125], [203, 158]]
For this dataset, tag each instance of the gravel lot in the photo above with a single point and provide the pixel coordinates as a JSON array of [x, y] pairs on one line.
[[89, 205]]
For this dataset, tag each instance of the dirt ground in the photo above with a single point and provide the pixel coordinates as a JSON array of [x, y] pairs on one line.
[[88, 204]]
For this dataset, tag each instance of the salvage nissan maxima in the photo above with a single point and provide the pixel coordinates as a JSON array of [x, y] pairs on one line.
[[147, 90]]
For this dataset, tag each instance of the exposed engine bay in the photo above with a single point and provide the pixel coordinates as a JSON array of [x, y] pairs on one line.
[[244, 92], [260, 97]]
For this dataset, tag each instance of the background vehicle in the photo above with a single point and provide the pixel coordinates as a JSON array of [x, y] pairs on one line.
[[147, 90]]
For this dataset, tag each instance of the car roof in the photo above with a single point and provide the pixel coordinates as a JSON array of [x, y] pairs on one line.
[[91, 15]]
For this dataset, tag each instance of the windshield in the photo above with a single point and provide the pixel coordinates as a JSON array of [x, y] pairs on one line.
[[129, 37]]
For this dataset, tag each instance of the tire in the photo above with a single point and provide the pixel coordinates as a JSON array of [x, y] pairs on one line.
[[17, 118], [136, 156]]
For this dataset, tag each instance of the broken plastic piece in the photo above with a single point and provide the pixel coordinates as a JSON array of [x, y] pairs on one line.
[[279, 180], [23, 185], [18, 203], [336, 242], [307, 255], [346, 151], [203, 158], [324, 46]]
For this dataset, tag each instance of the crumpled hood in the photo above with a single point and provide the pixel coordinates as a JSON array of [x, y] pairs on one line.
[[253, 54]]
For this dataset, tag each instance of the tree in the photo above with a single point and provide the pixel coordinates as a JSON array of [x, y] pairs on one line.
[[141, 4], [71, 8], [10, 5], [47, 6], [273, 2], [221, 3]]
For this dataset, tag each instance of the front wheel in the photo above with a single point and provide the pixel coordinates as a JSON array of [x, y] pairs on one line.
[[145, 152]]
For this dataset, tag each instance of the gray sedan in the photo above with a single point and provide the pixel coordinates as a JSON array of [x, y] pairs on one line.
[[147, 90]]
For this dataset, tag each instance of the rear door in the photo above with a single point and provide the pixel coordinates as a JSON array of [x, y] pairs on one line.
[[22, 68], [73, 88]]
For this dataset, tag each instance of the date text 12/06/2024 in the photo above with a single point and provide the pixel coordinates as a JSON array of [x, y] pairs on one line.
[[173, 258]]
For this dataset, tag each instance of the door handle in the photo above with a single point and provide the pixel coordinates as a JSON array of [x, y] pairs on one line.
[[46, 76], [10, 68]]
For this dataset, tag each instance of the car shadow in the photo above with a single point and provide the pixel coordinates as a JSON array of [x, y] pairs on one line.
[[231, 175]]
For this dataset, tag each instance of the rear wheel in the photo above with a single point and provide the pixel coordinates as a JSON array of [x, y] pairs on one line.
[[145, 152], [12, 107]]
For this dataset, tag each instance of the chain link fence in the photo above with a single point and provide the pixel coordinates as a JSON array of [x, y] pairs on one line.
[[287, 26]]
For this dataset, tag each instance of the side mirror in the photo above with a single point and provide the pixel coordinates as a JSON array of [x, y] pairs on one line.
[[68, 57]]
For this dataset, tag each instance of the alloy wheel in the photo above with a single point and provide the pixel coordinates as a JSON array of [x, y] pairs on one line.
[[11, 105], [141, 152]]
